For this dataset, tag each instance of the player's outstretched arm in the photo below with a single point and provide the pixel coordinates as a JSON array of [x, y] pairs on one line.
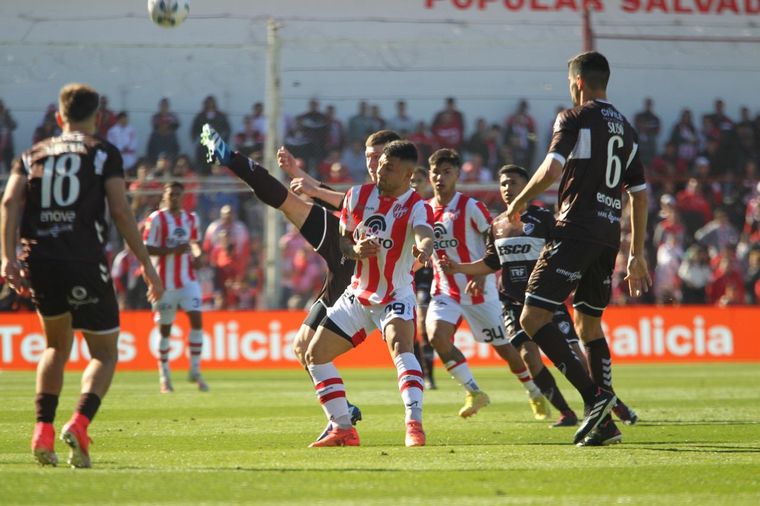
[[477, 268], [125, 223], [307, 187], [303, 183], [548, 172], [13, 205], [638, 277]]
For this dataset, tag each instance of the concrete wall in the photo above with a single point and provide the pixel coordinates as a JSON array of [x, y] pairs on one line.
[[488, 53]]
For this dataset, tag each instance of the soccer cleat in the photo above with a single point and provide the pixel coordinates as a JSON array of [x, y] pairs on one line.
[[166, 385], [338, 437], [473, 402], [596, 411], [540, 407], [43, 444], [605, 434], [353, 411], [625, 414], [430, 384], [75, 435], [567, 418], [415, 436], [198, 380], [216, 148]]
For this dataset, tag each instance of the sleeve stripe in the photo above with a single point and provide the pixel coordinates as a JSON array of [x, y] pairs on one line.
[[637, 188], [633, 154], [556, 156]]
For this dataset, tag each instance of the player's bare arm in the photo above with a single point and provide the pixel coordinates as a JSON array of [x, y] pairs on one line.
[[638, 277], [196, 254], [303, 183], [548, 172], [478, 268], [125, 222], [13, 203], [423, 247]]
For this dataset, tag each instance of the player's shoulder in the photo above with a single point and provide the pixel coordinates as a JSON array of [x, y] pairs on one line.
[[155, 214]]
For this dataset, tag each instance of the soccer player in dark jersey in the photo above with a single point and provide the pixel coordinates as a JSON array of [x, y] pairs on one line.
[[513, 248], [59, 190], [595, 150], [316, 222]]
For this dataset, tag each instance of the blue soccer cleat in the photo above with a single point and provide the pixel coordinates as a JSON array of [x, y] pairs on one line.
[[216, 149]]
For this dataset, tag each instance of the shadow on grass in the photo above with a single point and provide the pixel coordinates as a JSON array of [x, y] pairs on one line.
[[662, 423], [696, 448]]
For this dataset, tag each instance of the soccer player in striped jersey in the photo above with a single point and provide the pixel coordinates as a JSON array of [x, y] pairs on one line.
[[460, 223], [314, 220], [385, 227], [172, 238]]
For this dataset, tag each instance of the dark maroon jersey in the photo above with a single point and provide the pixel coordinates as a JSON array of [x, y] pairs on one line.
[[599, 151], [514, 248], [65, 211]]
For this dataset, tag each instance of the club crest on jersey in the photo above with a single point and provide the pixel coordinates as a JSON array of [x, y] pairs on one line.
[[451, 215], [441, 242], [399, 211], [528, 228]]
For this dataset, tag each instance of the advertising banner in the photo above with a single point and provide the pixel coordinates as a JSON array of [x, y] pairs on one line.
[[262, 339]]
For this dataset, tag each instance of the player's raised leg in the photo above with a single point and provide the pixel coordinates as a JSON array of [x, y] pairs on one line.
[[49, 384]]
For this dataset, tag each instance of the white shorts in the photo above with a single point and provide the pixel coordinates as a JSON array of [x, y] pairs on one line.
[[484, 319], [356, 321], [188, 298]]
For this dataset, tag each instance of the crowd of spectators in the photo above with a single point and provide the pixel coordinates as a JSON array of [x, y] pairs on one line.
[[704, 191]]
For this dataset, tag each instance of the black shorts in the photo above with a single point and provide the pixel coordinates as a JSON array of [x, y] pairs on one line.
[[83, 289], [516, 334], [316, 314], [566, 265], [321, 229]]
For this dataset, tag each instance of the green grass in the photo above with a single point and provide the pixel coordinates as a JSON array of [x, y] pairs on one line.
[[698, 442]]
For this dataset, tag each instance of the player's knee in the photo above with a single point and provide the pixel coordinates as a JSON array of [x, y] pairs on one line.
[[300, 347], [532, 320]]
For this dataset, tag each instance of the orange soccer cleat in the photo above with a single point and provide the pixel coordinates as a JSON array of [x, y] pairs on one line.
[[338, 437], [415, 436], [74, 434], [43, 444]]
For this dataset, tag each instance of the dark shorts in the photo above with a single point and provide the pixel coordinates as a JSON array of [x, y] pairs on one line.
[[316, 314], [321, 230], [566, 265], [83, 289], [516, 334]]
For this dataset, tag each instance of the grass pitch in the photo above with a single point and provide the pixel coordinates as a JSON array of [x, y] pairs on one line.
[[698, 442]]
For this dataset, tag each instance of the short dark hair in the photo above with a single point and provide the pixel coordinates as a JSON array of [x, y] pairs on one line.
[[78, 102], [382, 137], [174, 184], [593, 67], [443, 155], [403, 150], [513, 169], [421, 170]]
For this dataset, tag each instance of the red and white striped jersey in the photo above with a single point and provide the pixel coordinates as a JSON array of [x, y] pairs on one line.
[[391, 221], [459, 228], [163, 229]]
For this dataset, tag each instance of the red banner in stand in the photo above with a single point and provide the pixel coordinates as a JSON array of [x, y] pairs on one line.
[[262, 339]]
